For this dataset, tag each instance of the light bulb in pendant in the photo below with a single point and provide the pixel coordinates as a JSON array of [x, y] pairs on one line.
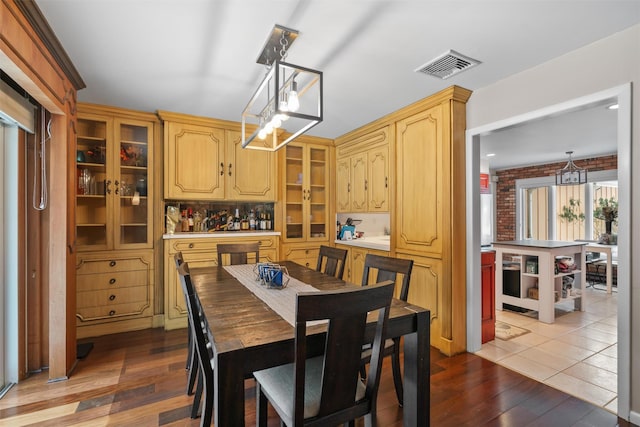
[[262, 134], [276, 122], [293, 102], [268, 128]]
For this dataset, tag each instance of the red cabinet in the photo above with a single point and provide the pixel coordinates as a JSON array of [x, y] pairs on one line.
[[488, 260]]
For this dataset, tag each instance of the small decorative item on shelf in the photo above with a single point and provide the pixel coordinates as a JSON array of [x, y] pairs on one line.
[[95, 155], [132, 155], [531, 266], [273, 276]]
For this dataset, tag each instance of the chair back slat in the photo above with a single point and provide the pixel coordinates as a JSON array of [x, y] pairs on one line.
[[331, 261]]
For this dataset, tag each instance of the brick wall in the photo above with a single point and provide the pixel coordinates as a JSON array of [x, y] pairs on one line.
[[506, 188]]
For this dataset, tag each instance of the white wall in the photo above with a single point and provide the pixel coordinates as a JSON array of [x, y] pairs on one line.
[[603, 65]]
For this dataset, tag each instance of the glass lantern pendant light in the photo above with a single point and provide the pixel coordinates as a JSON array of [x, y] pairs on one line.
[[571, 174], [288, 101]]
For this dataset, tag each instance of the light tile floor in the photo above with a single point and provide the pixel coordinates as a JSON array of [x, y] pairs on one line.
[[577, 354]]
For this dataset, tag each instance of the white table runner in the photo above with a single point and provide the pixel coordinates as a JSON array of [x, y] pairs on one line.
[[282, 301]]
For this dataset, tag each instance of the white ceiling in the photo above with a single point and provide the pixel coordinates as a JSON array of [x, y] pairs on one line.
[[198, 56]]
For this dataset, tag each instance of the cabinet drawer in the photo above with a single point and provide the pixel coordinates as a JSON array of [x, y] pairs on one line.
[[210, 244], [112, 311], [113, 280], [87, 266], [110, 297]]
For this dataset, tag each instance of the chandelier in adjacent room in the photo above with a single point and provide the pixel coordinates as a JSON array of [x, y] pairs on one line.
[[571, 174]]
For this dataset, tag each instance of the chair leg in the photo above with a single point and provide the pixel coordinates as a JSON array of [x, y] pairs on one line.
[[190, 343], [193, 371], [261, 407], [207, 407], [198, 395], [397, 375]]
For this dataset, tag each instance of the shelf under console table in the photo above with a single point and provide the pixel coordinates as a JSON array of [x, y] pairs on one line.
[[535, 260]]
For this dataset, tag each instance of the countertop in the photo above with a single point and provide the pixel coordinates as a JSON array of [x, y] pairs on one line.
[[218, 234], [381, 243]]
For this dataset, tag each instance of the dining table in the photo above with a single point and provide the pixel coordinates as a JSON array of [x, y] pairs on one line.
[[249, 327]]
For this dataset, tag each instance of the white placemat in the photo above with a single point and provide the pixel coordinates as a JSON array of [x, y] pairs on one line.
[[282, 301]]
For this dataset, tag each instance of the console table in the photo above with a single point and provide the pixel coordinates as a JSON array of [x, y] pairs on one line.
[[536, 260]]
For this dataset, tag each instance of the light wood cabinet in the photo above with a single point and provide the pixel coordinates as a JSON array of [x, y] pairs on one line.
[[362, 180], [429, 223], [204, 160], [114, 292], [303, 254], [354, 265], [200, 252], [305, 197], [115, 190]]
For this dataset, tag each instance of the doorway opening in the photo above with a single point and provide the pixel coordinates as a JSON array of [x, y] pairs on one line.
[[621, 95]]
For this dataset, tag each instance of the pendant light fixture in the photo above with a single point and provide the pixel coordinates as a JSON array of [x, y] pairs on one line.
[[571, 174], [288, 101]]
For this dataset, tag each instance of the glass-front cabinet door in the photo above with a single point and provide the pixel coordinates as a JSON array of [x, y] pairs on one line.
[[131, 186], [113, 206], [306, 192]]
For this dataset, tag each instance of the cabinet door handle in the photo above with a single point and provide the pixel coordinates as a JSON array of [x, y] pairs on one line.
[[366, 185], [221, 168], [190, 245], [117, 187], [386, 182], [112, 281], [308, 194], [112, 264], [112, 313], [108, 186], [229, 169], [112, 297], [349, 187]]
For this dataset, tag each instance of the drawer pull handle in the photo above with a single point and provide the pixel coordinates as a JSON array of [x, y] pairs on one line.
[[112, 313], [112, 281], [112, 264], [190, 245], [112, 297]]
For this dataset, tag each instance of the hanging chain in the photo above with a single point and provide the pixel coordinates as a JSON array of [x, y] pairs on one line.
[[284, 44]]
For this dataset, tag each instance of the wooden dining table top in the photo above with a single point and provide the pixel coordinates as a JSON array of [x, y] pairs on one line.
[[242, 320]]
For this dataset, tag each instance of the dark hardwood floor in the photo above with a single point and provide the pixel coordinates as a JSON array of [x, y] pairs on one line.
[[139, 379]]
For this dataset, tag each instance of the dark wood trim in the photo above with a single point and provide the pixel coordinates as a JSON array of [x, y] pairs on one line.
[[34, 15]]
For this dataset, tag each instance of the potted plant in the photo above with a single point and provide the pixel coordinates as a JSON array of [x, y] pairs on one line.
[[607, 211]]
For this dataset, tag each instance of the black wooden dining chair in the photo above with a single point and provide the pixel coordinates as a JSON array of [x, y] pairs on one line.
[[331, 261], [203, 352], [192, 363], [238, 253], [327, 389], [388, 268]]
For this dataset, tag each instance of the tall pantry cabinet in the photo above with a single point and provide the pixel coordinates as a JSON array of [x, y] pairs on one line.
[[114, 219], [429, 222]]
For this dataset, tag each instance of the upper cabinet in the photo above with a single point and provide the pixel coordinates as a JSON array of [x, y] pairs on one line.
[[204, 160], [114, 187], [362, 173], [305, 193]]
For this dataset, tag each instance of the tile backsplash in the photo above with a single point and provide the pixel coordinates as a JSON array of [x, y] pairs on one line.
[[372, 224]]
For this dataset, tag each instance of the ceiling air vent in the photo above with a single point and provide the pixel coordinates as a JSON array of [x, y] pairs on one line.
[[447, 65]]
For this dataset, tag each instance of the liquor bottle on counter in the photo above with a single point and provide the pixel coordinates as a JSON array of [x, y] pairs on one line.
[[269, 224], [236, 220], [190, 219], [263, 221], [184, 221], [252, 220]]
